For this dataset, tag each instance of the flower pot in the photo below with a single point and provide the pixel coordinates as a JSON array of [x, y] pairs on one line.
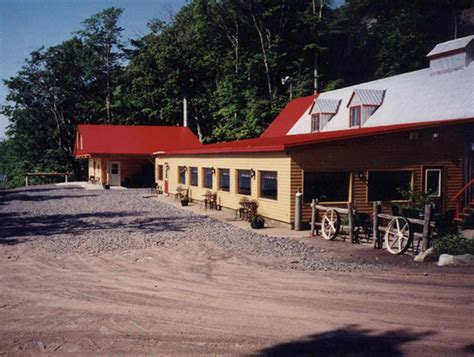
[[106, 186], [257, 223], [184, 202]]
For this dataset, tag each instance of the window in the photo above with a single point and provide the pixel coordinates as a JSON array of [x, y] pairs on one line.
[[207, 177], [182, 175], [315, 122], [326, 186], [224, 180], [114, 170], [355, 117], [159, 173], [194, 176], [269, 184], [433, 182], [386, 185], [243, 182]]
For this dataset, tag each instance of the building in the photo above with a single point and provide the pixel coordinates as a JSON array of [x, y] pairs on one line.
[[123, 155], [357, 144]]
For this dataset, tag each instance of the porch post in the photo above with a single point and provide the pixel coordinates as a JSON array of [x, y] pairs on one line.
[[425, 243], [350, 213], [375, 228]]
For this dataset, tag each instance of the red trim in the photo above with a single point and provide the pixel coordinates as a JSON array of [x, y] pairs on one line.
[[282, 143]]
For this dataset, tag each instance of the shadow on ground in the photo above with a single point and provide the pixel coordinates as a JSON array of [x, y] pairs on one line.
[[20, 227], [349, 341]]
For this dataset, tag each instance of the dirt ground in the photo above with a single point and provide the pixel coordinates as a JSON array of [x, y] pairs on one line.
[[198, 298]]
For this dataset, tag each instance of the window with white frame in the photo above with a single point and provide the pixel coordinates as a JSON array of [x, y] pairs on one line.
[[433, 182]]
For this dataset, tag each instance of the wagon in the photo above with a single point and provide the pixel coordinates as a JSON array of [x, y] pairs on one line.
[[395, 233]]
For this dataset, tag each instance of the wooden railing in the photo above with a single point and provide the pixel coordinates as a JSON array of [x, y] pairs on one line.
[[45, 174], [458, 197]]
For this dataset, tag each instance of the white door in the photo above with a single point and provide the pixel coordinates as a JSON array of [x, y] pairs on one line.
[[114, 173]]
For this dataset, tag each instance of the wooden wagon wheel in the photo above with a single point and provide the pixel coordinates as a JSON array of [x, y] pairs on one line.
[[331, 224], [398, 235]]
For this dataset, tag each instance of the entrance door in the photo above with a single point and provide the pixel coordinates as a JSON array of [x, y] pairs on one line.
[[114, 173]]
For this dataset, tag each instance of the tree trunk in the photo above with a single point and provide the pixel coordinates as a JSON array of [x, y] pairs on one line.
[[265, 58]]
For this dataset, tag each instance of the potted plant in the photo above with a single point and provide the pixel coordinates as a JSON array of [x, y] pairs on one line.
[[106, 186], [184, 201], [257, 221]]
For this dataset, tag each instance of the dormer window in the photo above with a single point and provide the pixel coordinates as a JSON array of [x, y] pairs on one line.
[[362, 104], [315, 122], [355, 117], [322, 112]]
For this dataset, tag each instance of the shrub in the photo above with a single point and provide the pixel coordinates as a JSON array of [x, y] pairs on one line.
[[454, 245]]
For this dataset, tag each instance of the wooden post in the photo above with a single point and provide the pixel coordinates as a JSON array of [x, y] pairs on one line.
[[375, 228], [350, 214], [426, 229], [26, 180], [313, 217]]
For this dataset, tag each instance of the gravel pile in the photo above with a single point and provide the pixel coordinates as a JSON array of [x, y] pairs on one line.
[[72, 220]]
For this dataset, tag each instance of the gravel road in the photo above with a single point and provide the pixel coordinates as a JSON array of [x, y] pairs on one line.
[[72, 220]]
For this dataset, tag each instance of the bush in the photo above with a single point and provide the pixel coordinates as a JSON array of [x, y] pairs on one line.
[[454, 245]]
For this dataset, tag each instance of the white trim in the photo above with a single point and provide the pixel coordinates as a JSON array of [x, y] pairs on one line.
[[440, 172]]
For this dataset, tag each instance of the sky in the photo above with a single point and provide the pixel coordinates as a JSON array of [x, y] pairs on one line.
[[26, 25]]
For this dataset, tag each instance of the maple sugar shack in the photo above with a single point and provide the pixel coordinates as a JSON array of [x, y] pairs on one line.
[[357, 144]]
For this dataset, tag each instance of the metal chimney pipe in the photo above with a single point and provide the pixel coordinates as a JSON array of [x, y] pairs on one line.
[[185, 112]]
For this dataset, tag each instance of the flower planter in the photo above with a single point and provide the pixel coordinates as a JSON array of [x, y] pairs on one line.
[[257, 223], [184, 202]]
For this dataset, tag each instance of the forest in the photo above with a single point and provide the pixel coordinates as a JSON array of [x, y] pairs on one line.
[[227, 57]]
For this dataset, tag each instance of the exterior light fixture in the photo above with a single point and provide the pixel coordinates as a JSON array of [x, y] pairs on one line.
[[252, 173], [213, 170]]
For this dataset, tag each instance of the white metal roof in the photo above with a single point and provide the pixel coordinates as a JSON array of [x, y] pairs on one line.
[[329, 106], [409, 98], [367, 97], [450, 46]]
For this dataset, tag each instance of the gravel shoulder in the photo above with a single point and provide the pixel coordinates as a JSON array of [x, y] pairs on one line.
[[112, 272]]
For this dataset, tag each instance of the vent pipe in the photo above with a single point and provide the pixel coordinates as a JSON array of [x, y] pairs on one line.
[[185, 112]]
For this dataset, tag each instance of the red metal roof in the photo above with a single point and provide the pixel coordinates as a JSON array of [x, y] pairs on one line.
[[289, 116], [132, 139], [282, 143]]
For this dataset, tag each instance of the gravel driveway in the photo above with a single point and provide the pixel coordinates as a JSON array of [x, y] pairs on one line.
[[73, 220], [112, 273]]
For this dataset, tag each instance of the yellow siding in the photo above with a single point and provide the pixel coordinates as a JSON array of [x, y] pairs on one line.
[[98, 171], [275, 209]]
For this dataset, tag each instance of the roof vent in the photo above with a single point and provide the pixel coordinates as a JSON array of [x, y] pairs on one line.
[[452, 55]]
